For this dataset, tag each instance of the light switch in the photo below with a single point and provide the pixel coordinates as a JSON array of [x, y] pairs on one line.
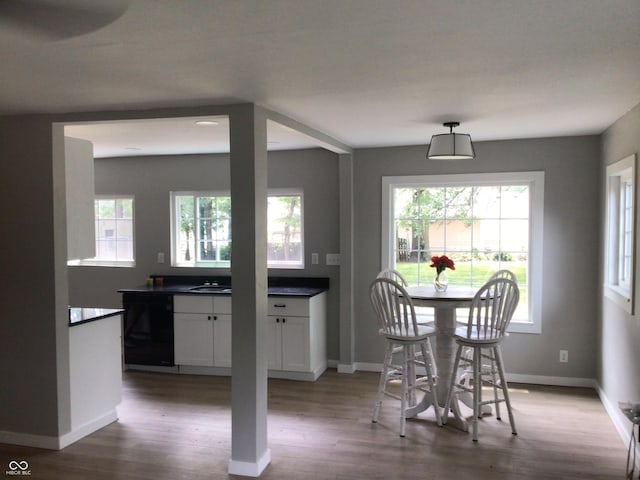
[[315, 259], [160, 257]]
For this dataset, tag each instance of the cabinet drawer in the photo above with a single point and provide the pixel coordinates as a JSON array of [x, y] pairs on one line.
[[294, 306], [222, 304], [192, 304]]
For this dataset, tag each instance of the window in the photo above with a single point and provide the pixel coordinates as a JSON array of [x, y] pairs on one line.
[[620, 232], [203, 224], [114, 232], [202, 229], [285, 247], [484, 222]]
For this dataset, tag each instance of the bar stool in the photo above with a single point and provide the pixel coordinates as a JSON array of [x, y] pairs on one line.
[[424, 314], [404, 336], [489, 316], [488, 368]]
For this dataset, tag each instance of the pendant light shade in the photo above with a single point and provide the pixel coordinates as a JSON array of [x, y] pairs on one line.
[[451, 146]]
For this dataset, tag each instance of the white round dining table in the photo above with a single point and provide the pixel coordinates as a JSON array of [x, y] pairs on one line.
[[444, 305]]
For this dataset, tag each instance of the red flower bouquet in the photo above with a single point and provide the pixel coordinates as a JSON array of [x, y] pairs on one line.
[[442, 262]]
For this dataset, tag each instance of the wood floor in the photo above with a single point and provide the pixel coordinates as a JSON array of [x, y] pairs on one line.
[[178, 427]]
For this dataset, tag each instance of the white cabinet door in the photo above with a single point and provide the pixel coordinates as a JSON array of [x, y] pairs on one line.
[[274, 343], [288, 343], [222, 340], [193, 338], [295, 344]]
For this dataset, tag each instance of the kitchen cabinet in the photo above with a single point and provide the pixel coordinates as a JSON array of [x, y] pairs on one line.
[[202, 330], [95, 371], [297, 337], [79, 187], [289, 343]]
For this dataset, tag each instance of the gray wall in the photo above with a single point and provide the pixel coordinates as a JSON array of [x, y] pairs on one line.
[[151, 179], [571, 204], [619, 333], [32, 332], [33, 311]]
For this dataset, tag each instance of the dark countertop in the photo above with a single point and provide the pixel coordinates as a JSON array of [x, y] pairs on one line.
[[80, 315], [278, 286], [187, 290]]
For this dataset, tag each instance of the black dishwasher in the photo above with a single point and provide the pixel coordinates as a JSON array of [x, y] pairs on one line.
[[148, 329]]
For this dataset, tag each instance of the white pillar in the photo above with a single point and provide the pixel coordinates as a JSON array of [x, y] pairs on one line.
[[248, 138]]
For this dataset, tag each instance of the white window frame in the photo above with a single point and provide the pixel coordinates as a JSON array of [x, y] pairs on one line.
[[535, 181], [620, 234], [290, 265], [96, 262]]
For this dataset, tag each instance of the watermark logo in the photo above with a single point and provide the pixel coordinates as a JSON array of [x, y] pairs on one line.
[[18, 467]]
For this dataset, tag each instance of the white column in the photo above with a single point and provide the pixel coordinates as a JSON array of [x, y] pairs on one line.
[[248, 138], [346, 363]]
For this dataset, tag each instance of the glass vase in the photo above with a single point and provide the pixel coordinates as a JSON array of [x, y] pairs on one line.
[[441, 282]]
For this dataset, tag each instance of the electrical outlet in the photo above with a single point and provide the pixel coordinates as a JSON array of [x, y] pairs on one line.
[[333, 259], [564, 356]]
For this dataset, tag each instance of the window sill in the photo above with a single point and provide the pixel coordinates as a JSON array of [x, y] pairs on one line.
[[94, 263], [620, 297]]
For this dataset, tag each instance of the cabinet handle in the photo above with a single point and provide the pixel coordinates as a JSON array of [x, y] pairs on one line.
[[280, 305], [215, 317], [208, 317], [277, 320], [284, 320]]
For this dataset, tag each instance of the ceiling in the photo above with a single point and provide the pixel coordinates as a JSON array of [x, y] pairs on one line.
[[368, 73]]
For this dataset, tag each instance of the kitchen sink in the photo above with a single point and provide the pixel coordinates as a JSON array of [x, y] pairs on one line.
[[211, 289]]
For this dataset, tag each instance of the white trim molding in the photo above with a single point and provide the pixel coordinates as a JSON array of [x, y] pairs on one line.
[[63, 441], [250, 469]]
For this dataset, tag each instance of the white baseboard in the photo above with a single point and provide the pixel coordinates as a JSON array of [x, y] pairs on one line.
[[511, 377], [250, 469], [30, 440], [88, 428], [152, 368], [58, 443], [620, 422], [546, 380], [346, 368]]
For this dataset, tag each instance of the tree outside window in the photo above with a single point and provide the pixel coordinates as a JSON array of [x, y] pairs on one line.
[[484, 222], [202, 230]]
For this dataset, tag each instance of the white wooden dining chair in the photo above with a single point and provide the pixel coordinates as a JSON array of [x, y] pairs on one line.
[[404, 337], [489, 366], [504, 273], [489, 315], [423, 314], [393, 274]]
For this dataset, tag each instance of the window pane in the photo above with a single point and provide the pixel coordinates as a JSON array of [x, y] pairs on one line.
[[203, 230], [114, 229], [284, 229], [213, 228], [184, 228], [483, 229]]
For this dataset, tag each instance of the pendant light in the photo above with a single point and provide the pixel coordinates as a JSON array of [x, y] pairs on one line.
[[451, 146]]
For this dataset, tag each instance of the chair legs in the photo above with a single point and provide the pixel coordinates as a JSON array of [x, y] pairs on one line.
[[384, 378], [410, 381], [505, 388], [479, 372]]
